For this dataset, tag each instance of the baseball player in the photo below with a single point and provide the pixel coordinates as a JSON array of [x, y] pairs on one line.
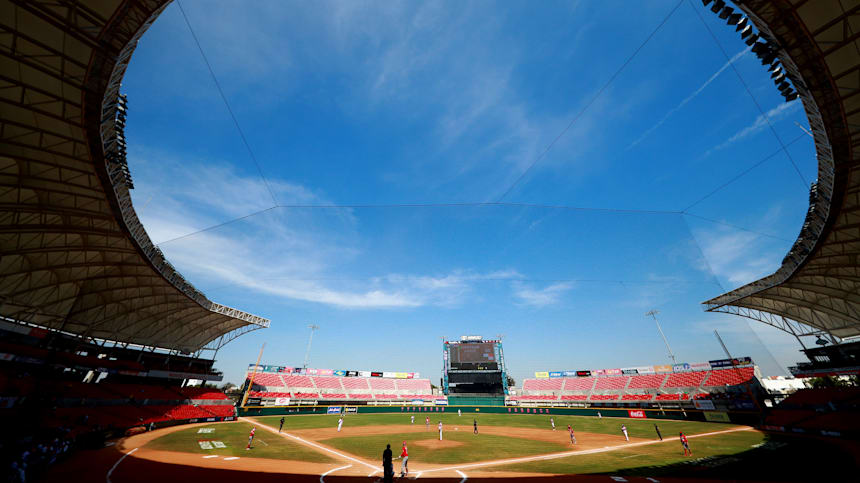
[[572, 436], [404, 465], [339, 423], [685, 444], [624, 430], [552, 421], [440, 430], [427, 423], [475, 424], [413, 419], [251, 437], [658, 432], [459, 413], [282, 425]]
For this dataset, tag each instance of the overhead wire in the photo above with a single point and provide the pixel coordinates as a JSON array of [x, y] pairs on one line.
[[227, 104], [589, 103], [752, 97]]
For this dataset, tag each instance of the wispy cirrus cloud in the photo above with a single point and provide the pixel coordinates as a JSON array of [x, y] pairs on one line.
[[761, 123], [687, 99], [540, 297]]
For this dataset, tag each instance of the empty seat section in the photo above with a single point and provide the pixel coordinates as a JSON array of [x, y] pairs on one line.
[[386, 396], [267, 379], [355, 383], [202, 393], [574, 397], [360, 396], [686, 379], [327, 382], [609, 383], [646, 381], [604, 397], [306, 395], [222, 410], [295, 380], [722, 377], [637, 397], [667, 397], [578, 383], [332, 395], [413, 385], [380, 384]]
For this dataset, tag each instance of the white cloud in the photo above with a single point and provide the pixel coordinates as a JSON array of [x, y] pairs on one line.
[[688, 98], [535, 297], [737, 256], [760, 123]]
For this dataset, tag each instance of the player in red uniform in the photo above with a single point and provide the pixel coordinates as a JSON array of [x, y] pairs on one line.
[[686, 445], [404, 465], [251, 437]]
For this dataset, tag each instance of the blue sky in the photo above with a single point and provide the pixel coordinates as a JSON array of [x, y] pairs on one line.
[[387, 103]]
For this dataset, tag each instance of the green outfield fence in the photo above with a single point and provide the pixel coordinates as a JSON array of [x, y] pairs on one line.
[[750, 418]]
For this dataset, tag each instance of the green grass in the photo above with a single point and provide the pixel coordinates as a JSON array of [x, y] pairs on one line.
[[475, 447], [590, 424], [235, 437], [667, 453]]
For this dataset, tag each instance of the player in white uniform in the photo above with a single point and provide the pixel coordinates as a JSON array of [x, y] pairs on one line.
[[339, 423], [624, 430], [440, 430], [459, 413], [413, 419], [552, 421]]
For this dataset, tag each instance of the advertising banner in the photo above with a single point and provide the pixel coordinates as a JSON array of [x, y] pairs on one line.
[[340, 373], [569, 373], [441, 402], [400, 375], [704, 404], [542, 375], [312, 372], [645, 369], [282, 401], [583, 373], [410, 375], [351, 409], [717, 416], [351, 373], [629, 371], [388, 374], [613, 372], [556, 374], [636, 413], [740, 361], [364, 373], [253, 401], [375, 374], [288, 370], [333, 410], [660, 369], [700, 366], [325, 372], [683, 367], [598, 372]]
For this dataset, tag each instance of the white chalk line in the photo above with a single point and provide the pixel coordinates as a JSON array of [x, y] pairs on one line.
[[309, 443], [332, 471], [261, 441], [110, 471], [231, 458], [605, 449], [210, 456], [463, 475]]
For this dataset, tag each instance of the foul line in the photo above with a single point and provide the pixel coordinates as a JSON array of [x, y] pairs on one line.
[[571, 453], [463, 475], [308, 443], [332, 471], [110, 471]]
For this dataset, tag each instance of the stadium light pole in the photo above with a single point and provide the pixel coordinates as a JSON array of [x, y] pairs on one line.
[[653, 314], [313, 327]]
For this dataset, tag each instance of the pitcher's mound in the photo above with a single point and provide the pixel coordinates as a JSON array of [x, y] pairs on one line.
[[436, 444]]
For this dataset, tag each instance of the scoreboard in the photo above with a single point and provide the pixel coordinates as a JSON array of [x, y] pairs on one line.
[[473, 366]]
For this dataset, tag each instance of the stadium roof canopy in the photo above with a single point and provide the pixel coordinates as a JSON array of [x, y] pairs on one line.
[[73, 254], [816, 291]]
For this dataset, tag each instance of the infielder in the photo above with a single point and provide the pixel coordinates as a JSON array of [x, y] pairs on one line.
[[440, 430], [685, 444], [475, 423], [251, 437], [459, 413], [339, 423], [282, 425], [572, 436], [427, 423], [552, 421], [624, 430], [404, 465], [413, 419]]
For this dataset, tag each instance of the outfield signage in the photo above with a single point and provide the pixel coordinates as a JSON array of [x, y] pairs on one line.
[[717, 416], [583, 373], [740, 361], [704, 404], [613, 372], [636, 413], [542, 375], [701, 366], [662, 369], [569, 373], [296, 370], [333, 410], [683, 367], [657, 369], [645, 369], [556, 374], [282, 401], [630, 371]]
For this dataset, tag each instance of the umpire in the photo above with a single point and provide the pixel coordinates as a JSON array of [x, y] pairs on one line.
[[387, 465]]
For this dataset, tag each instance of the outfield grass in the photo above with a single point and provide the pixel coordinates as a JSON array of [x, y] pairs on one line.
[[638, 428], [474, 447], [667, 453], [235, 437]]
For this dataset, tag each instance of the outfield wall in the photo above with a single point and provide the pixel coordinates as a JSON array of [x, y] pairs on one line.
[[750, 418]]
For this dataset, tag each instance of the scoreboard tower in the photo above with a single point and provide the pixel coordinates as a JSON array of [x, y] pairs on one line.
[[474, 366]]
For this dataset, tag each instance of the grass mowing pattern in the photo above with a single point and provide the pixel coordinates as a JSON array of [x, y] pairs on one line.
[[475, 447], [638, 428], [235, 437], [666, 453]]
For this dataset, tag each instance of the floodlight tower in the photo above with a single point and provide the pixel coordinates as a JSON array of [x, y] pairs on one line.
[[313, 327], [653, 314]]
